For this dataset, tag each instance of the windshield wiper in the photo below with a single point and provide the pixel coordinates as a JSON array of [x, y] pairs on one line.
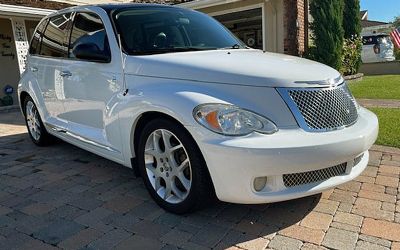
[[235, 46], [180, 49]]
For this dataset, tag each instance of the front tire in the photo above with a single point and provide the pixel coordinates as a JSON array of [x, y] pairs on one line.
[[172, 167], [36, 130]]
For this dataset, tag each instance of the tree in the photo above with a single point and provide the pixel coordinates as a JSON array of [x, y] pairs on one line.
[[396, 22], [327, 31], [351, 18], [352, 47]]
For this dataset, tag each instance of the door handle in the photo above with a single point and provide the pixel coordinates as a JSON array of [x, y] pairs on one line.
[[34, 69], [65, 74]]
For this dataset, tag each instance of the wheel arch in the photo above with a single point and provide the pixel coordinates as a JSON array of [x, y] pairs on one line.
[[28, 87], [141, 121], [24, 94], [138, 127]]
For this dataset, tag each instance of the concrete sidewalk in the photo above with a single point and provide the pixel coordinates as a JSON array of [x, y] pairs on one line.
[[379, 103], [64, 197]]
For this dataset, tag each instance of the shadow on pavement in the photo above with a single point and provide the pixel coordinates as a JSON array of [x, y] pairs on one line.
[[11, 118], [77, 182]]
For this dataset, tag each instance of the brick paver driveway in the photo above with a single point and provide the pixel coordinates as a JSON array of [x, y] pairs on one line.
[[64, 197]]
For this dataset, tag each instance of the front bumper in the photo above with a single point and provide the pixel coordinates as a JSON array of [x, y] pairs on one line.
[[235, 162]]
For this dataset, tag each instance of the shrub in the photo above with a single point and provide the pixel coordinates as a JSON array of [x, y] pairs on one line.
[[396, 21], [351, 57], [397, 54], [327, 31]]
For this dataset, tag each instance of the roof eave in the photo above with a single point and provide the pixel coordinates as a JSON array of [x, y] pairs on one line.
[[22, 11]]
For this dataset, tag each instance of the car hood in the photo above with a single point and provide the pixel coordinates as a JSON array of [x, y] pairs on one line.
[[240, 67]]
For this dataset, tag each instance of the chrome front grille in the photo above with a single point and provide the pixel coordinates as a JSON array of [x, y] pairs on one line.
[[298, 179], [321, 109]]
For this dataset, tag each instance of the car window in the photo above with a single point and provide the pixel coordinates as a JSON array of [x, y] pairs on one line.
[[53, 40], [165, 30], [373, 40], [36, 38], [385, 40], [88, 28], [370, 40]]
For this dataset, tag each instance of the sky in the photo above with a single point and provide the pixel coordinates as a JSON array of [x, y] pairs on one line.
[[381, 10]]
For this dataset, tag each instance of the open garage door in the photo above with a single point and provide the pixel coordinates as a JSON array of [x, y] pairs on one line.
[[247, 25]]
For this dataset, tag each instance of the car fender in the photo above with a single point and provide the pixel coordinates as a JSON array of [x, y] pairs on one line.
[[28, 83], [176, 100]]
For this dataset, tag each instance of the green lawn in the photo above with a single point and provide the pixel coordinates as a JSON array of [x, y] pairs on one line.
[[389, 126], [377, 87], [382, 87]]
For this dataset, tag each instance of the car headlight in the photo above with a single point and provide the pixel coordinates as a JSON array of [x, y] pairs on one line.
[[230, 120]]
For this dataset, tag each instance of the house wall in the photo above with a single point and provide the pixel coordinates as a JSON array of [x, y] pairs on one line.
[[30, 26], [296, 27], [274, 24], [9, 70], [10, 66]]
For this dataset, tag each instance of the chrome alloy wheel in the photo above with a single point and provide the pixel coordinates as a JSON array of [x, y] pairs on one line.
[[32, 120], [168, 166]]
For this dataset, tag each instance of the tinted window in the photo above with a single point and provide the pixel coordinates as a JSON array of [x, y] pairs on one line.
[[88, 28], [54, 38], [35, 42], [372, 40], [163, 30]]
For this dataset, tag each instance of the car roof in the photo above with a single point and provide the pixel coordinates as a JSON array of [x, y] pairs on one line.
[[118, 6], [375, 34], [113, 6]]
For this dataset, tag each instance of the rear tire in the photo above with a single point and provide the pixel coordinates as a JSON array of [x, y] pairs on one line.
[[173, 168], [36, 130]]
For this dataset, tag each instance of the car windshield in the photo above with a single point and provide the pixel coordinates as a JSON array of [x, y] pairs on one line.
[[146, 31], [385, 40]]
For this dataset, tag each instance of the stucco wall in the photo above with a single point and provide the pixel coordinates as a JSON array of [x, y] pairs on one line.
[[9, 71], [382, 68], [274, 26], [30, 26]]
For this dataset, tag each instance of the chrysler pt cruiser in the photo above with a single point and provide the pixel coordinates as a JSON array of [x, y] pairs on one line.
[[171, 93]]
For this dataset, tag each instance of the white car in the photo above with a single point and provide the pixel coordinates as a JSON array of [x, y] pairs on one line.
[[377, 48], [190, 107]]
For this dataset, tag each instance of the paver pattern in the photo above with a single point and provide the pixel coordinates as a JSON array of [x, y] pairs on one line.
[[64, 197]]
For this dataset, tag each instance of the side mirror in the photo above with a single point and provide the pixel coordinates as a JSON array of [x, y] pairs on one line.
[[90, 52]]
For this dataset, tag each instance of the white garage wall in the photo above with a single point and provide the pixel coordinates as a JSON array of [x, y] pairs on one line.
[[9, 69]]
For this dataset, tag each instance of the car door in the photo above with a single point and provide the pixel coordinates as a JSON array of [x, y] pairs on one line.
[[48, 65], [34, 63], [92, 87]]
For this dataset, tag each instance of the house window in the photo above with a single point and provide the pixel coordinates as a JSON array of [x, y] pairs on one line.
[[246, 25]]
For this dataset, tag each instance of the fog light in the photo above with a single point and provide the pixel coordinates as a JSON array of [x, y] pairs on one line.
[[259, 183]]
